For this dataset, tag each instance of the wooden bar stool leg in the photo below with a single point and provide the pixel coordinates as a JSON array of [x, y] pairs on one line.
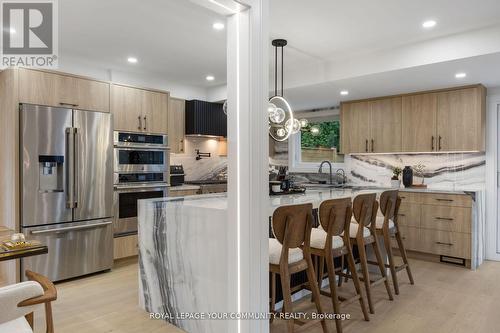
[[381, 265], [357, 284], [287, 296], [314, 290], [319, 269], [273, 294], [390, 256], [402, 250], [333, 290], [366, 275]]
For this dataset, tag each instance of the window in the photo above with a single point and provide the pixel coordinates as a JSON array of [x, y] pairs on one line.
[[319, 141]]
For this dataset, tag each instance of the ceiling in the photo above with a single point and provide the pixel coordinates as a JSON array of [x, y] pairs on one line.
[[172, 38], [334, 29]]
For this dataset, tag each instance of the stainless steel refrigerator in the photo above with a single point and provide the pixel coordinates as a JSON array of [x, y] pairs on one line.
[[67, 189]]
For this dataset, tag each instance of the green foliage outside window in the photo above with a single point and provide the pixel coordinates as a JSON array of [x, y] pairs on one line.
[[329, 135]]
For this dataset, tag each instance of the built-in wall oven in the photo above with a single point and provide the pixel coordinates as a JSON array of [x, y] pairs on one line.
[[141, 172]]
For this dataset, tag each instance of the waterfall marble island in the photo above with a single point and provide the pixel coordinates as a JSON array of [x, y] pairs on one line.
[[183, 246]]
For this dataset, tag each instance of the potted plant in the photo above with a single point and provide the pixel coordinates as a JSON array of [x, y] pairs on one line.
[[395, 181]]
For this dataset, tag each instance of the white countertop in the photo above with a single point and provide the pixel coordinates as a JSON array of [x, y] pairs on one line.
[[185, 187], [312, 195]]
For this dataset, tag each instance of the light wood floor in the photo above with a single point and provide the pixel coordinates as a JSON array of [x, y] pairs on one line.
[[445, 298]]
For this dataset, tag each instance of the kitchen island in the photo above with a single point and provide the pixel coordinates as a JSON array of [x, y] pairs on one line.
[[183, 246]]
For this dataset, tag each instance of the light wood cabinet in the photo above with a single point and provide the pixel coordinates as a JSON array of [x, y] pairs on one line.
[[437, 224], [419, 123], [460, 120], [355, 122], [52, 89], [155, 111], [176, 124], [445, 120], [139, 110], [126, 246], [182, 193], [385, 125]]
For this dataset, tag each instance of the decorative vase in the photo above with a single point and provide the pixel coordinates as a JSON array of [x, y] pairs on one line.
[[407, 176], [395, 183]]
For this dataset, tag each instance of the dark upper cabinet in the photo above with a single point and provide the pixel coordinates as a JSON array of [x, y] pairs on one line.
[[205, 118]]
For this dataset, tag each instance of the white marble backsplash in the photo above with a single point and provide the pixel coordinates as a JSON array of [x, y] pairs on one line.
[[452, 171], [212, 167]]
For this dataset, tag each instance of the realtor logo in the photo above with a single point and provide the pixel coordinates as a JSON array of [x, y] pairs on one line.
[[29, 36]]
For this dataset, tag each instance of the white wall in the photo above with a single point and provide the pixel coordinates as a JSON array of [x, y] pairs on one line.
[[492, 135], [80, 66]]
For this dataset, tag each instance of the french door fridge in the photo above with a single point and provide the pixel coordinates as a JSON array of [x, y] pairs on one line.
[[67, 189]]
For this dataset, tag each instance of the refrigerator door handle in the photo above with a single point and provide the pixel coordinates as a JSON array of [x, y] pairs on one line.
[[75, 165], [70, 167], [68, 229]]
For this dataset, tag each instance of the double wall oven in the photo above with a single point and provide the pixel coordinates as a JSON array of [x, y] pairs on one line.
[[141, 171]]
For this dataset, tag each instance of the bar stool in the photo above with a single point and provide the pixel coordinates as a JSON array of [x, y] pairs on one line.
[[290, 253], [387, 226], [335, 217], [363, 233]]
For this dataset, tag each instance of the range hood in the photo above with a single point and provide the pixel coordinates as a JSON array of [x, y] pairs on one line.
[[205, 119]]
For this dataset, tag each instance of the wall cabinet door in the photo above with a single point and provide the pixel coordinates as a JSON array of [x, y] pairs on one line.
[[126, 105], [460, 120], [355, 121], [43, 88], [419, 123], [385, 125], [176, 124], [155, 112]]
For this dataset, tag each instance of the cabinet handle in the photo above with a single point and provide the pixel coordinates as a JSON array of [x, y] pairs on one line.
[[441, 243], [432, 143], [447, 200], [439, 144], [366, 145], [444, 218], [140, 123], [373, 145], [401, 214], [145, 124], [68, 104]]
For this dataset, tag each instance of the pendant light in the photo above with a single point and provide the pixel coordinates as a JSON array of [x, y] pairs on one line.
[[282, 123]]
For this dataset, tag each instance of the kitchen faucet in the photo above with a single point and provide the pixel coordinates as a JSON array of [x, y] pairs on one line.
[[321, 170]]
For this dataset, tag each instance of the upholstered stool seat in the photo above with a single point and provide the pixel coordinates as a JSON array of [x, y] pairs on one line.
[[318, 239], [380, 222], [294, 255], [353, 230]]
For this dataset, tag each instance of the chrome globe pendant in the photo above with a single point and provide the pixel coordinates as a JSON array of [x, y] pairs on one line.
[[281, 120]]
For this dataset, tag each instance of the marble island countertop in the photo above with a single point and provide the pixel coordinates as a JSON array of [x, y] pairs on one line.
[[184, 241]]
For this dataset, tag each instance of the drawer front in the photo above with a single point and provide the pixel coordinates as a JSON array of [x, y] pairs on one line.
[[410, 197], [453, 244], [446, 218], [125, 246], [409, 214], [182, 193], [410, 236], [452, 200]]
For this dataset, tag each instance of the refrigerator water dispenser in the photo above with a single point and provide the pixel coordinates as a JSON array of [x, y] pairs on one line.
[[51, 173]]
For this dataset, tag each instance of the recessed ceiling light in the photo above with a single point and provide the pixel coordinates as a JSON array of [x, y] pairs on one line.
[[344, 92], [132, 60], [218, 26], [460, 75], [210, 78], [429, 24], [12, 30]]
